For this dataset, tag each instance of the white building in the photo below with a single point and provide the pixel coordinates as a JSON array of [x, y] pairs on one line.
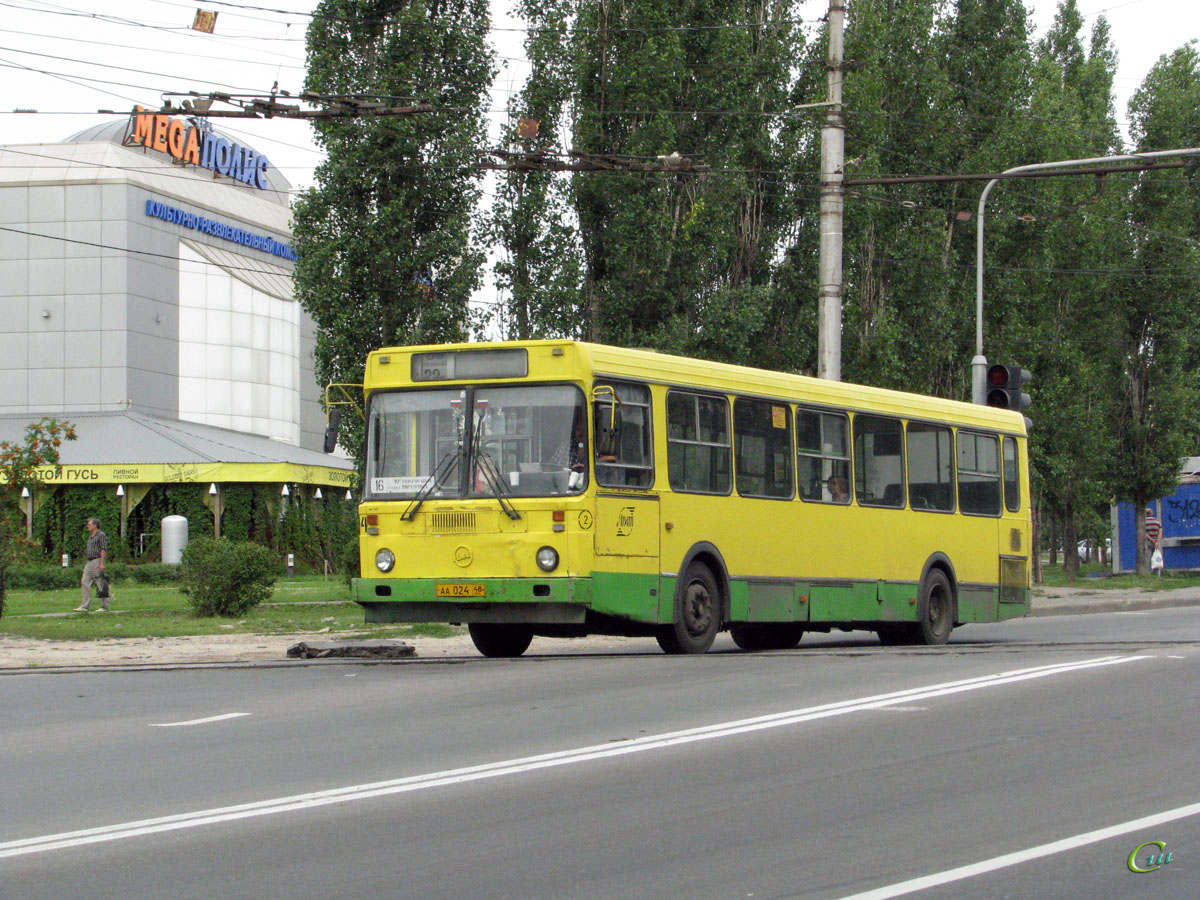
[[146, 266]]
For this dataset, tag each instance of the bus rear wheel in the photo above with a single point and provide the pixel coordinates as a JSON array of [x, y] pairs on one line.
[[500, 641], [766, 635], [697, 616], [937, 610], [936, 616]]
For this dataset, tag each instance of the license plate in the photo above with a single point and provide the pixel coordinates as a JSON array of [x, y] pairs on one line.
[[461, 590]]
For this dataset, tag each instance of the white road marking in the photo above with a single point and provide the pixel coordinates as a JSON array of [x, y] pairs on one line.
[[1012, 859], [220, 718], [315, 799]]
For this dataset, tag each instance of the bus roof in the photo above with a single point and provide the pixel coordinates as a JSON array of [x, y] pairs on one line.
[[664, 368]]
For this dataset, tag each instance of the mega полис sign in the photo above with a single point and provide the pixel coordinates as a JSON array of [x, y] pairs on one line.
[[188, 141]]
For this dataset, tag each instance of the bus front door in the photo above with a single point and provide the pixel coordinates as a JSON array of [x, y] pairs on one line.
[[625, 575]]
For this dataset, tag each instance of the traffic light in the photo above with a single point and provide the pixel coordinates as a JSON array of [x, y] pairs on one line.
[[1005, 387]]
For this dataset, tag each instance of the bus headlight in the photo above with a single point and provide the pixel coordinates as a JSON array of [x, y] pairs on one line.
[[385, 559], [547, 559]]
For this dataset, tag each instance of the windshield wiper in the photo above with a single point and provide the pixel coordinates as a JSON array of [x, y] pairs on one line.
[[441, 473], [491, 474]]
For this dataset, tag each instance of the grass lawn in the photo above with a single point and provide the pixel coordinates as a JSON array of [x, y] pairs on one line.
[[1095, 576], [301, 604]]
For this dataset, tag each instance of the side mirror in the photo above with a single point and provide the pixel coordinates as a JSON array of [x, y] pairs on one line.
[[331, 430]]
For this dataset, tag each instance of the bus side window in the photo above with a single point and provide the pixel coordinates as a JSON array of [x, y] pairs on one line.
[[762, 448], [698, 444], [878, 461], [1012, 476], [822, 456], [622, 440], [930, 467], [978, 474]]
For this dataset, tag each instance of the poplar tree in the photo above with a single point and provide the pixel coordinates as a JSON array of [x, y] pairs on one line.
[[1155, 419], [1076, 256], [385, 236], [682, 261], [532, 224]]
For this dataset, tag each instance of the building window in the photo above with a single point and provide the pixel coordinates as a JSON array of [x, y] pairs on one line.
[[239, 352]]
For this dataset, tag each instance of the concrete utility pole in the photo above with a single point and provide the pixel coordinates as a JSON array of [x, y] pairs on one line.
[[833, 153], [979, 364]]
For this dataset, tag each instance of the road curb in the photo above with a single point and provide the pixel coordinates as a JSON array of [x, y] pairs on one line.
[[1105, 605]]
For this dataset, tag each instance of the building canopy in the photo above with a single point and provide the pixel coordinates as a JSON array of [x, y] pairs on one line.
[[132, 447]]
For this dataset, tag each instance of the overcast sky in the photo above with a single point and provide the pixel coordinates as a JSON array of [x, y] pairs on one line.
[[134, 50]]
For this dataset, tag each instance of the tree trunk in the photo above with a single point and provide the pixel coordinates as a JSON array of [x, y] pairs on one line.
[[1139, 519], [1070, 542], [1036, 540]]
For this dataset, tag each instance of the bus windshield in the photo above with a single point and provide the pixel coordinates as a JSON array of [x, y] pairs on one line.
[[520, 441]]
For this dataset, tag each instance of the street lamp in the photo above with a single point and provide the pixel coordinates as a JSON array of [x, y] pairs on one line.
[[979, 363]]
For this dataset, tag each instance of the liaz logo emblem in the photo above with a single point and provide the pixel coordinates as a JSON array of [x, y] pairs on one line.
[[1155, 857], [625, 522]]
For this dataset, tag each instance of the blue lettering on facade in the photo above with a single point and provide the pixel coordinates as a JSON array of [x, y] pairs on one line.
[[207, 153], [219, 229], [221, 155], [260, 172]]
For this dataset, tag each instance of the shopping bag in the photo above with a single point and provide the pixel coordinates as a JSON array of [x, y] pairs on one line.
[[102, 586], [1156, 561]]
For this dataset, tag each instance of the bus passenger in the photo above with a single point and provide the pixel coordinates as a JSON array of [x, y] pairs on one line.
[[839, 491]]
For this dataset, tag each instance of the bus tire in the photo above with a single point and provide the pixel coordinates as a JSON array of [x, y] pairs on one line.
[[500, 641], [936, 610], [766, 636], [697, 616]]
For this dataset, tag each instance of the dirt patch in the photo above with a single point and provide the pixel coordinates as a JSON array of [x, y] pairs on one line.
[[22, 653], [31, 653]]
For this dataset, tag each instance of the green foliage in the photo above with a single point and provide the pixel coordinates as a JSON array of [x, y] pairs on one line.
[[227, 578], [54, 577], [1154, 419], [45, 578], [1090, 284], [384, 237], [60, 524], [19, 464], [319, 531], [152, 573], [678, 262]]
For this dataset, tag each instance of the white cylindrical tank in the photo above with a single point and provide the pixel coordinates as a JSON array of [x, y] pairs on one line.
[[174, 538]]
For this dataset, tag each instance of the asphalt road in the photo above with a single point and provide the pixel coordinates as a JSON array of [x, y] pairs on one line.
[[1027, 759]]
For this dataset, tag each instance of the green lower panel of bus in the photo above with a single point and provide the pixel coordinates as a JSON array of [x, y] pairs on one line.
[[649, 600], [551, 601]]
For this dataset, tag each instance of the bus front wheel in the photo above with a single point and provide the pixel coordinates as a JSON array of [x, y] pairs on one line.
[[500, 641], [697, 616]]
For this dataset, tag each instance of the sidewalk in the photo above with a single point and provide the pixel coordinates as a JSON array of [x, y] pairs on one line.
[[1063, 601], [18, 654]]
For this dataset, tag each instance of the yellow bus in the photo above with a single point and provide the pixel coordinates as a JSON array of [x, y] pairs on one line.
[[562, 488]]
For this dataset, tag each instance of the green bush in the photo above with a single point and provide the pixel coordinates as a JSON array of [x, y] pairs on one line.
[[44, 578], [153, 573], [227, 578]]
